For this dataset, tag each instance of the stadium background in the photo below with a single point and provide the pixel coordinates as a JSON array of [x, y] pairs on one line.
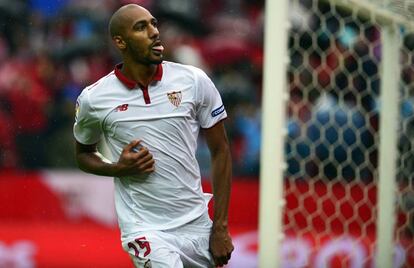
[[52, 215]]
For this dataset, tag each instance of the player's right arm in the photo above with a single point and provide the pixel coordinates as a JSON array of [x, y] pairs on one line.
[[131, 162]]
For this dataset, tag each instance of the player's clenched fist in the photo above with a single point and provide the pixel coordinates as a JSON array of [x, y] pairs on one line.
[[221, 246], [135, 159]]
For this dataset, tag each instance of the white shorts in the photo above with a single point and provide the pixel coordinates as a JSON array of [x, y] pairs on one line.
[[187, 246]]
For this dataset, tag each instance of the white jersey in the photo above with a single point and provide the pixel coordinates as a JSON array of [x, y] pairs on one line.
[[167, 117]]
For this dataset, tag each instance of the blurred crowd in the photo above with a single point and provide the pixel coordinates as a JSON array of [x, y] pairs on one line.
[[51, 50]]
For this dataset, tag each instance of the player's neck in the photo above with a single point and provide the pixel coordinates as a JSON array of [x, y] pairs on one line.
[[140, 73]]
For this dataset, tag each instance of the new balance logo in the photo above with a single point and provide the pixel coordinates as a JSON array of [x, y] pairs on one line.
[[122, 108]]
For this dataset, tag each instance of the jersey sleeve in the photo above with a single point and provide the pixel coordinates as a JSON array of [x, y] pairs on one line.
[[210, 108], [86, 129]]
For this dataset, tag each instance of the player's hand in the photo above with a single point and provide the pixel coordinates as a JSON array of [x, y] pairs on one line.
[[221, 246], [135, 159]]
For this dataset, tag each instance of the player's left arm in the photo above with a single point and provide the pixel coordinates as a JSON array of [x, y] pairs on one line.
[[221, 244]]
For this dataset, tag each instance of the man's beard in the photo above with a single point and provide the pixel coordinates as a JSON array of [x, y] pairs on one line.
[[144, 59]]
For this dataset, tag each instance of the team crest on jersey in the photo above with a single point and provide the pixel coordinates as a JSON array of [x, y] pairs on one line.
[[175, 97]]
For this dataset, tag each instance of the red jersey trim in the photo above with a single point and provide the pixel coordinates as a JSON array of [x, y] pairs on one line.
[[131, 84], [146, 95]]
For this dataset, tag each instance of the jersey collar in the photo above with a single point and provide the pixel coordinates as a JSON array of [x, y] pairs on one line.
[[131, 84]]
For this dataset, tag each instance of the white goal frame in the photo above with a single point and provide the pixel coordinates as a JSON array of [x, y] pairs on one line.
[[274, 131]]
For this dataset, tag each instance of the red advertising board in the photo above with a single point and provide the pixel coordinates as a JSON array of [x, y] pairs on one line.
[[67, 219]]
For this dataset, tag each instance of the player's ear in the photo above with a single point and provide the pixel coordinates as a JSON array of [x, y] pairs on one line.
[[119, 42]]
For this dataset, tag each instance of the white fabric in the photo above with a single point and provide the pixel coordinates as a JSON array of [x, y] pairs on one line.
[[176, 248], [171, 196]]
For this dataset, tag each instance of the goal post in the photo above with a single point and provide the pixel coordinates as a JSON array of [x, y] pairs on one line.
[[273, 131], [387, 184], [337, 159]]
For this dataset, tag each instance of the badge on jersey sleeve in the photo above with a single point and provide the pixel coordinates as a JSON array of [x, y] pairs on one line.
[[217, 111], [175, 98]]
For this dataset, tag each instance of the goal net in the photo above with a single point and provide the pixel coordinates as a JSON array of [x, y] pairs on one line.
[[333, 116]]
